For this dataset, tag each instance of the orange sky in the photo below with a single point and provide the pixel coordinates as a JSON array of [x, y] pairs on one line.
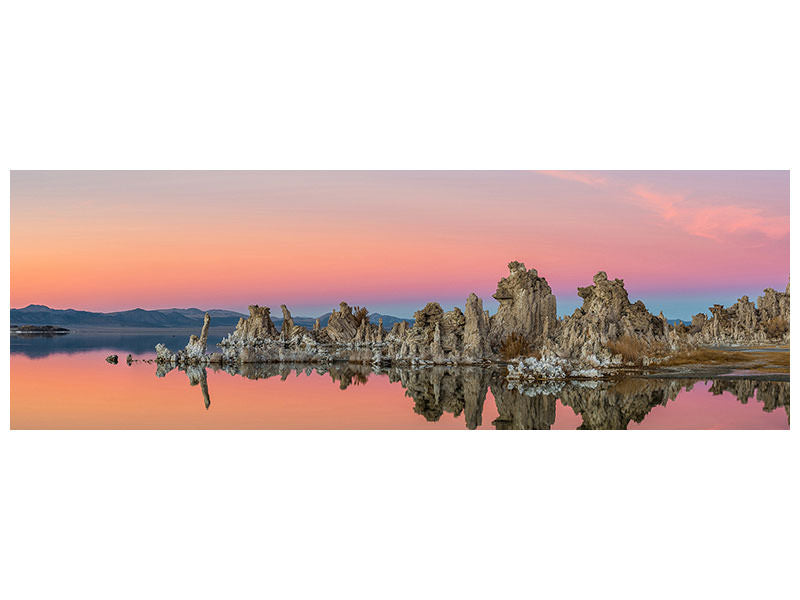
[[390, 240]]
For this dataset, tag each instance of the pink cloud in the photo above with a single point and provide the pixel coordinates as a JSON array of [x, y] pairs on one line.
[[585, 177], [712, 222]]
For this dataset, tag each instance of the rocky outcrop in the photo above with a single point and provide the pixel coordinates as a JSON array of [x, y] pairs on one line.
[[381, 332], [256, 340], [527, 307], [258, 325], [602, 334], [607, 315], [774, 305], [744, 323], [196, 348], [164, 355], [476, 331], [443, 338], [195, 351], [289, 330], [435, 337], [342, 325], [698, 322]]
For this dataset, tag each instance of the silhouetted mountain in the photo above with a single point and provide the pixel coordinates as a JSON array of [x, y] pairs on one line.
[[196, 313], [388, 320], [187, 318], [37, 314]]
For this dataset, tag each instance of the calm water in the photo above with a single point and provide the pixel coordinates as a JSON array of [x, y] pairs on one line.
[[66, 384]]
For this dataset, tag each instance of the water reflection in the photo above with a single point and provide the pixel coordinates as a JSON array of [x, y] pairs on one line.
[[463, 390], [772, 394], [615, 405], [121, 341]]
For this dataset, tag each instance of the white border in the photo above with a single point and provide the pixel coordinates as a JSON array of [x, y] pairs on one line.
[[405, 514]]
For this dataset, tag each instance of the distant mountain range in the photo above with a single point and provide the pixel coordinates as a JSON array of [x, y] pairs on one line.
[[38, 314]]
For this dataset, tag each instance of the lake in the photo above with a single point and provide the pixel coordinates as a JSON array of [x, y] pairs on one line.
[[64, 382]]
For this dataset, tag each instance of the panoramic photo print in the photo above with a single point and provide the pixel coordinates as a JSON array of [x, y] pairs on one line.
[[399, 300]]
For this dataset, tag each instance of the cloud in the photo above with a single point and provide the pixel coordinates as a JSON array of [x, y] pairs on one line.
[[585, 177], [714, 222]]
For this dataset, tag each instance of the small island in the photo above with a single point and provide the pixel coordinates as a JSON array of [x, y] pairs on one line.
[[42, 330]]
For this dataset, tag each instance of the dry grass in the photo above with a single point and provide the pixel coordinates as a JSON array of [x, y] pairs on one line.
[[706, 356], [770, 362], [776, 360], [514, 346], [633, 350], [776, 327]]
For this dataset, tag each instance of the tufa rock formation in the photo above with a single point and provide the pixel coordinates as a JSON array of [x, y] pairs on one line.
[[594, 337], [258, 325], [743, 323], [195, 351], [476, 331], [606, 315], [289, 330], [527, 307], [342, 325], [196, 348]]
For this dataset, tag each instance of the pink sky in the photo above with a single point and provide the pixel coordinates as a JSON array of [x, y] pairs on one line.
[[390, 240]]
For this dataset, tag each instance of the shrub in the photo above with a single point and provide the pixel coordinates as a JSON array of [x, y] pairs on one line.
[[515, 345], [632, 349], [776, 327]]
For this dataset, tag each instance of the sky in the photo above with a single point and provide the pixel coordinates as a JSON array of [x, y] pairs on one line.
[[391, 240]]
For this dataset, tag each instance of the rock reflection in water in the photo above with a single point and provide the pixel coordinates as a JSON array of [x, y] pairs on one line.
[[197, 375], [437, 390], [614, 405], [345, 374], [772, 394], [531, 408]]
